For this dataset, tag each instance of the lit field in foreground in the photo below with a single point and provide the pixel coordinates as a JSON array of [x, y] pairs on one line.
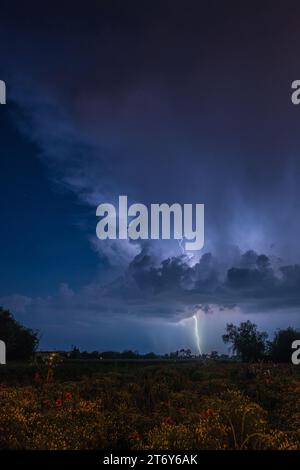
[[163, 405]]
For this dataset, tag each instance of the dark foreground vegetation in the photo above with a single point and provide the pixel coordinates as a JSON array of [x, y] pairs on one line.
[[167, 405], [127, 401]]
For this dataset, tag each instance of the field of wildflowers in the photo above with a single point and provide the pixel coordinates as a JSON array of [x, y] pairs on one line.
[[150, 406]]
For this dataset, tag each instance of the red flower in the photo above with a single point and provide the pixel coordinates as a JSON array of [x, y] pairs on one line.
[[182, 411], [46, 402], [58, 402], [207, 413], [37, 378], [169, 420], [68, 396]]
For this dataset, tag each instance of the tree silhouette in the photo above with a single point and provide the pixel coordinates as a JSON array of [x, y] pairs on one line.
[[281, 346], [20, 341], [247, 342]]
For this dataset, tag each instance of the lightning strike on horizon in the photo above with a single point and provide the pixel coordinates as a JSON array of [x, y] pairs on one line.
[[196, 331]]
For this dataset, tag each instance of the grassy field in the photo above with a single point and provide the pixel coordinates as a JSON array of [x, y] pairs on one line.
[[149, 405]]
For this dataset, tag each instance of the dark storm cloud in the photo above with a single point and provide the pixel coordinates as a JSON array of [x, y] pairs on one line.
[[252, 282], [140, 306], [164, 103], [174, 289], [168, 104]]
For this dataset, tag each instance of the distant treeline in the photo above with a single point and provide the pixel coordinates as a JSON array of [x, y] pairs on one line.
[[246, 344], [75, 353]]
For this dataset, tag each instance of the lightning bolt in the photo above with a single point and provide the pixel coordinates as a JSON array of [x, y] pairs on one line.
[[196, 331]]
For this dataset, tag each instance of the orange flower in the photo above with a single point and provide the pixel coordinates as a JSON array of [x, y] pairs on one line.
[[58, 402]]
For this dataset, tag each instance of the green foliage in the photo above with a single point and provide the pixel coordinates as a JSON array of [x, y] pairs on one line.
[[247, 342], [280, 348], [20, 342]]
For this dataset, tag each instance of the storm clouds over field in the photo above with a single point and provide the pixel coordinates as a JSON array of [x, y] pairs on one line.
[[162, 105]]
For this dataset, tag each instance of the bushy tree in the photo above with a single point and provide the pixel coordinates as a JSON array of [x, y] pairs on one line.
[[281, 346], [247, 342], [75, 353], [20, 341]]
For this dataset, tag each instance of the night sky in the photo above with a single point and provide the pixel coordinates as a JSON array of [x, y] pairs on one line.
[[164, 101]]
